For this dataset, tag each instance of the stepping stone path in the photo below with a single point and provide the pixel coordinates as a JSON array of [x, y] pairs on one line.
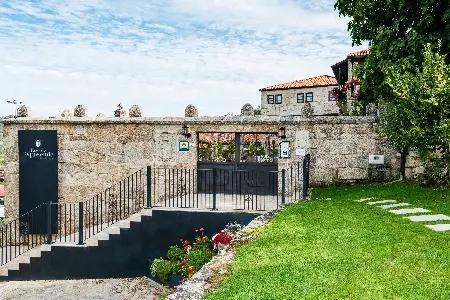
[[381, 202], [394, 205], [390, 204], [425, 218], [439, 227], [405, 211]]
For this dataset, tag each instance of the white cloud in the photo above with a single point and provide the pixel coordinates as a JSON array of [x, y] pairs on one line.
[[214, 54]]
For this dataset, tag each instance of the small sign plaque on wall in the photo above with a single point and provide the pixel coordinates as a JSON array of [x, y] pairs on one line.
[[183, 146], [300, 152], [285, 149]]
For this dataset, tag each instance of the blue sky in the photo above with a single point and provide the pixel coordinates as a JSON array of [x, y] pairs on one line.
[[161, 55]]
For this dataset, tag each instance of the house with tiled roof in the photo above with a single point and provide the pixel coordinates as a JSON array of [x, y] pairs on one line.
[[289, 98], [343, 71]]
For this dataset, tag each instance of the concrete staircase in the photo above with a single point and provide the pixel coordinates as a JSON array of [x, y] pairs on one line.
[[33, 256]]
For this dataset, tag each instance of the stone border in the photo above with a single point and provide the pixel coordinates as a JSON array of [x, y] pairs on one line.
[[211, 275], [230, 120]]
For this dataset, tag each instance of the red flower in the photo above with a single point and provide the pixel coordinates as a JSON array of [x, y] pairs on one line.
[[198, 240], [222, 238], [196, 230], [186, 242], [204, 238], [201, 229], [181, 240], [191, 269]]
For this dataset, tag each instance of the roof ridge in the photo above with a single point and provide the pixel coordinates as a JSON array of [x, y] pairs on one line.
[[320, 80]]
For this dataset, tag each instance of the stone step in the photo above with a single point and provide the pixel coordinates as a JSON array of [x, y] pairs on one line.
[[365, 199], [428, 218], [114, 229], [439, 227], [388, 206], [406, 211], [381, 202], [24, 258], [135, 218]]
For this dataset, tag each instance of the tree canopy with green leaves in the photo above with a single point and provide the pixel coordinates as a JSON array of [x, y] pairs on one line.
[[417, 116], [396, 31]]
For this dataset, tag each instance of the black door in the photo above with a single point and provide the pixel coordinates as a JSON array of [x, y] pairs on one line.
[[246, 173], [38, 177]]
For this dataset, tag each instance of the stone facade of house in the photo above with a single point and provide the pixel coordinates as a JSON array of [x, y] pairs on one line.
[[321, 103], [95, 153], [289, 99]]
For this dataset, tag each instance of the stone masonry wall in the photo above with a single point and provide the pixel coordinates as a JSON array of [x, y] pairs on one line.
[[96, 153], [289, 106]]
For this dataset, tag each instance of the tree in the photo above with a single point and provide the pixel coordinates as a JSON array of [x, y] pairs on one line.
[[417, 116], [396, 31]]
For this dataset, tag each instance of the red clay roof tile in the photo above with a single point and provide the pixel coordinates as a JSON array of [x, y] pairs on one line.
[[360, 53], [323, 80]]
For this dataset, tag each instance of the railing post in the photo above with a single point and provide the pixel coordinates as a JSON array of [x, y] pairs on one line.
[[305, 176], [149, 187], [214, 171], [80, 223], [49, 223], [283, 186]]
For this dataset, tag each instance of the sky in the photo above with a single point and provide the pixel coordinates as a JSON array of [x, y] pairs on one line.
[[161, 55]]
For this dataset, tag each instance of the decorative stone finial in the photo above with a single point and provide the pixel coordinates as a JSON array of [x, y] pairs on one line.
[[247, 110], [80, 111], [23, 111], [371, 109], [135, 111], [67, 113], [191, 111], [307, 110], [119, 112]]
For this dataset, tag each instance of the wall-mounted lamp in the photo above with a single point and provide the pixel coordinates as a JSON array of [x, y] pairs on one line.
[[282, 132], [186, 133]]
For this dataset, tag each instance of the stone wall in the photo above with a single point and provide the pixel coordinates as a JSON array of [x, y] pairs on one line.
[[289, 106], [96, 153]]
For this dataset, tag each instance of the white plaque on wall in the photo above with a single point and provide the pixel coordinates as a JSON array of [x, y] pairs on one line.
[[300, 152], [285, 149]]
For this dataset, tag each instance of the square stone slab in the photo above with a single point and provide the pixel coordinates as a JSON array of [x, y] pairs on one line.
[[381, 202], [439, 227], [425, 218], [365, 199], [394, 205], [405, 211]]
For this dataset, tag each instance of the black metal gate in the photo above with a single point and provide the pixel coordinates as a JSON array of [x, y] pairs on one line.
[[38, 178], [246, 173]]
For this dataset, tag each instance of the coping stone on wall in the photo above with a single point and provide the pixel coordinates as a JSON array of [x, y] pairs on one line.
[[229, 120]]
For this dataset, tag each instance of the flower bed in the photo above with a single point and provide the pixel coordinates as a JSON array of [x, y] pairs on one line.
[[188, 257]]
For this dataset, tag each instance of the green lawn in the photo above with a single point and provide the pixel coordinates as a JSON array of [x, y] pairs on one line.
[[336, 248]]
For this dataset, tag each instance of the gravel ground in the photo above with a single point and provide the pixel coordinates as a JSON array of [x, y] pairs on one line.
[[88, 289]]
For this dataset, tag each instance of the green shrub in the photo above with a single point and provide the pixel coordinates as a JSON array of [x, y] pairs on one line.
[[162, 269], [175, 253], [436, 172]]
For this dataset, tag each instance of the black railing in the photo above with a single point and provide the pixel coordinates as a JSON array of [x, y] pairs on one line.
[[23, 234], [226, 189], [72, 222], [215, 189]]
